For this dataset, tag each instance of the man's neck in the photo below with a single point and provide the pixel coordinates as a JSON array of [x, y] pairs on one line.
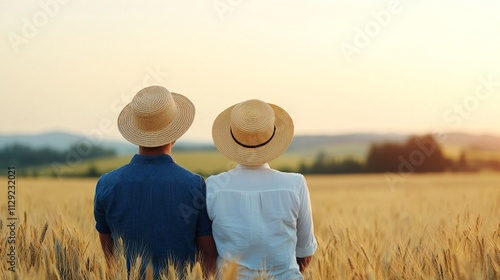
[[156, 151]]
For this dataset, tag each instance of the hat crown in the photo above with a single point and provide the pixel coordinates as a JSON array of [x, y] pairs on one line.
[[154, 108], [252, 123]]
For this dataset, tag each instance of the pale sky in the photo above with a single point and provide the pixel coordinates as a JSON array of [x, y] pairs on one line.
[[336, 66]]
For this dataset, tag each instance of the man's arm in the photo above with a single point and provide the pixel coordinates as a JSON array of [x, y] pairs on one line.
[[303, 263], [108, 246], [208, 252]]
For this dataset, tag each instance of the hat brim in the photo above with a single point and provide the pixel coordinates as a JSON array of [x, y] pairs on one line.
[[173, 131], [221, 135]]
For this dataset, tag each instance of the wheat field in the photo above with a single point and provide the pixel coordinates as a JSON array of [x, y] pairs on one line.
[[425, 227]]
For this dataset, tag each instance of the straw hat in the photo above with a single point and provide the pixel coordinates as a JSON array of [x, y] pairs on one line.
[[252, 132], [155, 117]]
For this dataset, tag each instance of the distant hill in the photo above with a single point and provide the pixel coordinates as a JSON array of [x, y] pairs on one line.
[[359, 144], [340, 146], [481, 142], [57, 140], [63, 140], [355, 145], [202, 157], [489, 142], [307, 141]]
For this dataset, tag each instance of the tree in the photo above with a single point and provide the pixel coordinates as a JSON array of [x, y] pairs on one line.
[[93, 172], [462, 164], [418, 154]]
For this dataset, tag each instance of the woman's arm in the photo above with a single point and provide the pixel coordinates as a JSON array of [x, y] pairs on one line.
[[304, 263]]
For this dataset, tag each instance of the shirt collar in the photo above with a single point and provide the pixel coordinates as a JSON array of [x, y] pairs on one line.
[[260, 166], [152, 159]]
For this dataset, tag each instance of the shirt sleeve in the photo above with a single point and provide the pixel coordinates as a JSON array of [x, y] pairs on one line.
[[99, 213], [306, 242], [204, 224]]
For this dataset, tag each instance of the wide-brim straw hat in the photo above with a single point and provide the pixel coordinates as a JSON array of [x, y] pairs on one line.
[[252, 132], [155, 117]]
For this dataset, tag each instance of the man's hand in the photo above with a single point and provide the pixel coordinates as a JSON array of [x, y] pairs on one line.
[[208, 251], [108, 246]]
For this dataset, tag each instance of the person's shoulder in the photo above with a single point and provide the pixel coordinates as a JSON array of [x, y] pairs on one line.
[[106, 182], [290, 175], [293, 181], [188, 175], [223, 176], [186, 172], [215, 177], [106, 177], [111, 176], [218, 181]]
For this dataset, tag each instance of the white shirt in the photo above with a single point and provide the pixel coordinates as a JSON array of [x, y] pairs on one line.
[[261, 219]]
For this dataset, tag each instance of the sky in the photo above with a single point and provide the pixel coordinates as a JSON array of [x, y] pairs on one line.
[[337, 66]]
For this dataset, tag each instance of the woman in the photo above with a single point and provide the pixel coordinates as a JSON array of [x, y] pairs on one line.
[[261, 217]]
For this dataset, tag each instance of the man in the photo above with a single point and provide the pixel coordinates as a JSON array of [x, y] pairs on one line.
[[261, 217], [156, 207]]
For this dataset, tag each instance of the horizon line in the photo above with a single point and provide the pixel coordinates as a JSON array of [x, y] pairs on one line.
[[323, 134]]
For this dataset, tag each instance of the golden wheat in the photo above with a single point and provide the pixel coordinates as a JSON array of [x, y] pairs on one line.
[[425, 227]]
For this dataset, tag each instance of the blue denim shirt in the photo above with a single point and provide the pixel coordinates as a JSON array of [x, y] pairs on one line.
[[156, 207]]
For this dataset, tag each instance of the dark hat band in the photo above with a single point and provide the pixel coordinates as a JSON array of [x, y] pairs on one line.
[[254, 146]]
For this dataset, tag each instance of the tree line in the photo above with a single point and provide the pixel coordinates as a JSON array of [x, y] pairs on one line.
[[418, 154], [23, 156]]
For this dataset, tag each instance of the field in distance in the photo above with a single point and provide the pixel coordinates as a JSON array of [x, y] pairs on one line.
[[426, 227], [202, 162], [210, 161]]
